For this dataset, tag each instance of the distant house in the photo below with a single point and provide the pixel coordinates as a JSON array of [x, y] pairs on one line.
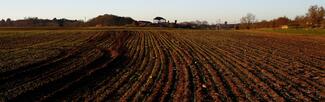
[[159, 20], [144, 23], [99, 25], [284, 27]]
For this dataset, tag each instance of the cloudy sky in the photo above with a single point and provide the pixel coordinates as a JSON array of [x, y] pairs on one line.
[[182, 10]]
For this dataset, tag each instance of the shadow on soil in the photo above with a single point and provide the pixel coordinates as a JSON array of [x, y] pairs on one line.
[[80, 81]]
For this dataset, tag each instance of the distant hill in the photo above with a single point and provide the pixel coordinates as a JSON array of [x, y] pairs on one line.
[[110, 20]]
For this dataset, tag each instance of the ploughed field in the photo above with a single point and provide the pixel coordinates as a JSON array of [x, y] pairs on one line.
[[160, 65]]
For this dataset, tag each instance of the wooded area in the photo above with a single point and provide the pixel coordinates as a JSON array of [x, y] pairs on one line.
[[314, 18], [101, 20]]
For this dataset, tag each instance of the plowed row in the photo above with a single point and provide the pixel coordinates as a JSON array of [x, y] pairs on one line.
[[161, 65]]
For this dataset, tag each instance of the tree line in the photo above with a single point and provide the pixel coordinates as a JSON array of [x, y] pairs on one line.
[[101, 20], [314, 18]]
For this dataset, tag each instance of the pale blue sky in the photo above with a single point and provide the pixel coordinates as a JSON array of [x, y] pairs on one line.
[[182, 10]]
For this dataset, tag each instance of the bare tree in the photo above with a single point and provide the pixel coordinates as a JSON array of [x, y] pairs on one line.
[[315, 16], [300, 21], [248, 21], [282, 21], [323, 24]]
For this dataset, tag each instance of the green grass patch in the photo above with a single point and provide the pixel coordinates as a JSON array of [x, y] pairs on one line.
[[297, 31]]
